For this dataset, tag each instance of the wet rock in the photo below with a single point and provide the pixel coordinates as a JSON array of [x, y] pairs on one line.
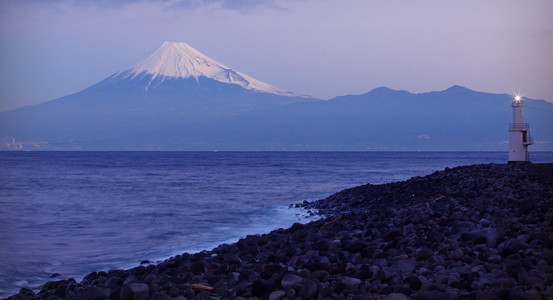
[[395, 296], [93, 293], [277, 295], [320, 275], [20, 297], [532, 295], [393, 234], [351, 282], [454, 280], [486, 295], [290, 293], [488, 236], [309, 289], [404, 266], [354, 246], [291, 281], [113, 282], [220, 288], [135, 291], [424, 254], [316, 266], [364, 272], [517, 293], [513, 246], [413, 282], [129, 279], [160, 296], [462, 226], [456, 254], [262, 288], [197, 267]]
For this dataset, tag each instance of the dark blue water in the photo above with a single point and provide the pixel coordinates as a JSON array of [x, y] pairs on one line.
[[76, 212]]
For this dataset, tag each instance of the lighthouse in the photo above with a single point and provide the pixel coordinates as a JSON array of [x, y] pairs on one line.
[[519, 134]]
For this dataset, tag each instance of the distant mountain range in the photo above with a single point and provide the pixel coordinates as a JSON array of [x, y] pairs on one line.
[[179, 99]]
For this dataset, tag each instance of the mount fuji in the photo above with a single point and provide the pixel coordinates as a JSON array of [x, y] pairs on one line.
[[174, 89], [180, 61]]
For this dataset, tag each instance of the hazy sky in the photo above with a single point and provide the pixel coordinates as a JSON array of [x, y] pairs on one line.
[[323, 48]]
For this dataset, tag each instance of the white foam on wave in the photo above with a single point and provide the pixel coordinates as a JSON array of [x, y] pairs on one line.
[[273, 218]]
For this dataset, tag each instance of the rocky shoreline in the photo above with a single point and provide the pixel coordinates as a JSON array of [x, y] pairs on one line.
[[471, 232]]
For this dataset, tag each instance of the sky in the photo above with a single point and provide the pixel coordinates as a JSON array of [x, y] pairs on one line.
[[322, 48]]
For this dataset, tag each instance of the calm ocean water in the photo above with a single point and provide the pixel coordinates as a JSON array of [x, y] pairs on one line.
[[76, 212]]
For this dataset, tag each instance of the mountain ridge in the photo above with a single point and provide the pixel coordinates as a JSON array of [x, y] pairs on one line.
[[447, 120], [159, 108]]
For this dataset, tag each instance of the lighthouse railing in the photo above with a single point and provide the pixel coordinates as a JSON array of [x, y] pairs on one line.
[[529, 140], [519, 126]]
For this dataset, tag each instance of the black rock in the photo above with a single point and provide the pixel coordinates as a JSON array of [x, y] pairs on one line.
[[424, 254], [197, 267], [309, 289], [94, 293], [262, 288], [135, 291]]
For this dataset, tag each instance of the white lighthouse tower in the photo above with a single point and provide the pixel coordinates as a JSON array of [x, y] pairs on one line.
[[519, 134]]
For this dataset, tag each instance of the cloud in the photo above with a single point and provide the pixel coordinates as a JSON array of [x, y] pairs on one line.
[[240, 5], [244, 5], [247, 4]]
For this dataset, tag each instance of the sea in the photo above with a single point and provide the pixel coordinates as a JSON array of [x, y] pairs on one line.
[[66, 214]]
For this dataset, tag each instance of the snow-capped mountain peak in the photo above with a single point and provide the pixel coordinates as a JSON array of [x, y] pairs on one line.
[[180, 60]]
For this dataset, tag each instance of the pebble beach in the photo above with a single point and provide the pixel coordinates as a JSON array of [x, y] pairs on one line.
[[470, 232]]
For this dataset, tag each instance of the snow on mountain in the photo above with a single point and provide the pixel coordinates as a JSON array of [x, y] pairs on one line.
[[180, 60]]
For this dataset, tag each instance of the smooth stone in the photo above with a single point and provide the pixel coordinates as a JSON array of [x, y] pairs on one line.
[[320, 275], [129, 279], [112, 282], [513, 245], [262, 288], [517, 293], [197, 267], [20, 297], [396, 296], [220, 288], [290, 281], [309, 289], [424, 254], [456, 254], [486, 295], [290, 293], [393, 234], [351, 282], [26, 291], [94, 293], [462, 226], [135, 291], [276, 295], [160, 296], [454, 280], [532, 295], [485, 222], [414, 282], [355, 246], [404, 266], [489, 236]]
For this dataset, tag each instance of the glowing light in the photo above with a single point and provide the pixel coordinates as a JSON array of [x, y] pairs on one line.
[[518, 98]]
